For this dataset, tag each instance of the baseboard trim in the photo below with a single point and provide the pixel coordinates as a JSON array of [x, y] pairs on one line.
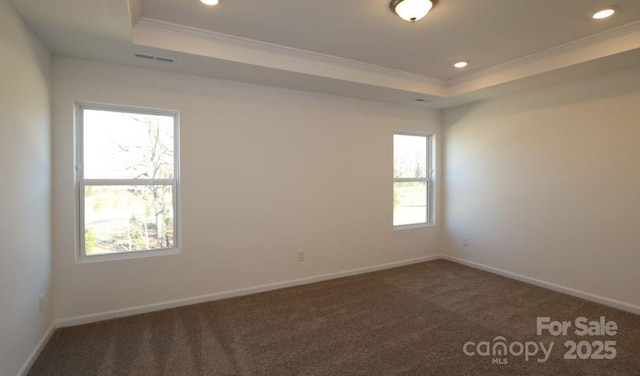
[[551, 286], [37, 350], [80, 320]]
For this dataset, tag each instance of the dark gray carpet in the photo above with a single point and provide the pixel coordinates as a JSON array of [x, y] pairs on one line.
[[411, 320]]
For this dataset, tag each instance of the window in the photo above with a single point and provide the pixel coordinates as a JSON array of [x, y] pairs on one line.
[[127, 180], [411, 184]]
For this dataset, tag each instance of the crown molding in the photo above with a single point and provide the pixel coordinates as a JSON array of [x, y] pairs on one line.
[[251, 45], [209, 44], [542, 58]]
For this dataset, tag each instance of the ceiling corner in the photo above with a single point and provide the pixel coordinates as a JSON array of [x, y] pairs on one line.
[[135, 11]]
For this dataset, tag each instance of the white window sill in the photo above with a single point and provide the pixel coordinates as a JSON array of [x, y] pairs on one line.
[[413, 226], [127, 255]]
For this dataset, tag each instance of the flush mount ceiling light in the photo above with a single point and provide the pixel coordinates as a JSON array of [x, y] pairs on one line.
[[461, 64], [604, 13], [210, 2], [412, 10]]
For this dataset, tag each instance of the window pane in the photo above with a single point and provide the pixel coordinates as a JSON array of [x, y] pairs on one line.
[[120, 145], [409, 156], [409, 203], [128, 218]]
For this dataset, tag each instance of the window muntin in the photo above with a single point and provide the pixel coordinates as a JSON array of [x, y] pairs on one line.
[[128, 180], [411, 183]]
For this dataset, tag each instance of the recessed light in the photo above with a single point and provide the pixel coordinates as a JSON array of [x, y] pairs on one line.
[[210, 2], [423, 100], [461, 64], [604, 13]]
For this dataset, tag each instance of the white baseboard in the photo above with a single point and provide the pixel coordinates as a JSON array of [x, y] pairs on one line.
[[36, 352], [551, 286], [79, 320]]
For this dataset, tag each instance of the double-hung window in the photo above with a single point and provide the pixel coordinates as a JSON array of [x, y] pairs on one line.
[[127, 168], [412, 170]]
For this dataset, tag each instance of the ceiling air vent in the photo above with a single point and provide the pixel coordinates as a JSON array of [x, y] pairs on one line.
[[156, 58], [165, 59]]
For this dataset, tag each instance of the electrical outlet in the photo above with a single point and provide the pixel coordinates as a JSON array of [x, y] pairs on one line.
[[42, 302], [465, 241], [300, 256]]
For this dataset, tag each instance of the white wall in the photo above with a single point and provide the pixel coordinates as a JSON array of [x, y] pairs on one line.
[[265, 172], [25, 189], [546, 184]]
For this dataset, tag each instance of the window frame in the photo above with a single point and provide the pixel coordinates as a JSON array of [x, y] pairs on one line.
[[81, 182], [428, 180]]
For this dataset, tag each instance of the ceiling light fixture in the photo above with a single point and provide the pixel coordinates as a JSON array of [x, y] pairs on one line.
[[210, 2], [604, 13], [412, 10], [461, 64]]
